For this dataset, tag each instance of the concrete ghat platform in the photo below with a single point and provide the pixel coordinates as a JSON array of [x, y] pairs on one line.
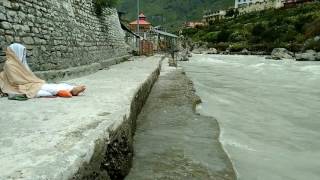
[[84, 137], [173, 142]]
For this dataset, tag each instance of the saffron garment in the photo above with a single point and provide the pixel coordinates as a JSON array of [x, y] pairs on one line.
[[17, 78]]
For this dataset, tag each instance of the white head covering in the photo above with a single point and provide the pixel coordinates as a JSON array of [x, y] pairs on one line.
[[21, 53]]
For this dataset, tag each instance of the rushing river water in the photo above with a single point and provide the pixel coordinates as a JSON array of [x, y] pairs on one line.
[[268, 111]]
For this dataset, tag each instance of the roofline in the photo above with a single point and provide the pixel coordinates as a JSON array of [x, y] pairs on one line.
[[124, 27], [165, 33]]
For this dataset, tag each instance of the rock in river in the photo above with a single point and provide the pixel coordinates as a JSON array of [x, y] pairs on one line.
[[309, 55], [212, 51], [279, 53]]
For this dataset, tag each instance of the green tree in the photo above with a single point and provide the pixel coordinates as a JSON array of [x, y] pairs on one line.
[[223, 36], [258, 30], [101, 4]]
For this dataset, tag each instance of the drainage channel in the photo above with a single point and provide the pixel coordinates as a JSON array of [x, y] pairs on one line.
[[172, 141]]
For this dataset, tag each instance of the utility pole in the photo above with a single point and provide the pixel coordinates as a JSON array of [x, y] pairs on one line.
[[138, 25]]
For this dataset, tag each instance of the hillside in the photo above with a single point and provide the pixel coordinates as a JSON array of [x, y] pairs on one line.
[[172, 13], [293, 28]]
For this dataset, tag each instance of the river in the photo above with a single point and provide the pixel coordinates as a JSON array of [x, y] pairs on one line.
[[268, 112]]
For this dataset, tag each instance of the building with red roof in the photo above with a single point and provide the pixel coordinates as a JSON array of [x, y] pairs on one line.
[[144, 25]]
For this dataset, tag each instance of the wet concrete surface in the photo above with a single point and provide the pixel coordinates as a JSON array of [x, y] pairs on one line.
[[172, 141]]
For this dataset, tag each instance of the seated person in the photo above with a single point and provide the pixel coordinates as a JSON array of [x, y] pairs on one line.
[[17, 78]]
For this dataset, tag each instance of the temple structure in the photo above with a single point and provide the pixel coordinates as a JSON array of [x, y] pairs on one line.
[[144, 25]]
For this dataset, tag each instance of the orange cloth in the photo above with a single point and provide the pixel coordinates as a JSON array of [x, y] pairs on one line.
[[64, 93], [17, 79]]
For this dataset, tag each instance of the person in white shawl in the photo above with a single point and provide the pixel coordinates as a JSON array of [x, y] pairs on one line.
[[17, 77]]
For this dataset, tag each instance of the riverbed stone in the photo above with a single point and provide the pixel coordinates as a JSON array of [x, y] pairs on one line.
[[211, 51], [318, 56], [309, 55], [182, 55], [245, 51], [281, 53], [198, 50]]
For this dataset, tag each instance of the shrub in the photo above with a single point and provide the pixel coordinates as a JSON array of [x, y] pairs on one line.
[[271, 34], [237, 47], [237, 37], [219, 46], [101, 4], [313, 28], [294, 47], [312, 44], [258, 30], [223, 35], [301, 21], [211, 37], [289, 34], [199, 35], [230, 13], [189, 32], [300, 38], [258, 47]]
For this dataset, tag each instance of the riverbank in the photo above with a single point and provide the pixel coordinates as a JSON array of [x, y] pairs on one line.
[[84, 137], [296, 29], [172, 141]]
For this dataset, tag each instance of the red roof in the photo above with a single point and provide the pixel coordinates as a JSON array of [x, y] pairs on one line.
[[141, 22]]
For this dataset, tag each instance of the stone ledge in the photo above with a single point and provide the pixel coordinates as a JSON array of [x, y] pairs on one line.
[[82, 137], [55, 75]]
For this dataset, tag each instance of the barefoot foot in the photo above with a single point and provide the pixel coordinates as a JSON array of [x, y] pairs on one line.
[[77, 90]]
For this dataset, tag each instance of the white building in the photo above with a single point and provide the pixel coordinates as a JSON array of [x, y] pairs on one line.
[[246, 6], [213, 16]]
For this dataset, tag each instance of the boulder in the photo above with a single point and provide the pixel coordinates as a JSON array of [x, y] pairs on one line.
[[182, 56], [245, 51], [318, 56], [309, 55], [281, 53], [212, 51], [196, 51], [199, 48], [2, 94], [310, 51]]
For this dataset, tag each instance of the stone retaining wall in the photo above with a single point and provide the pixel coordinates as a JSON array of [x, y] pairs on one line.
[[60, 34]]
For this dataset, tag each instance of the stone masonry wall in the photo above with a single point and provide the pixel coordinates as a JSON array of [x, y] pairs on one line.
[[60, 34]]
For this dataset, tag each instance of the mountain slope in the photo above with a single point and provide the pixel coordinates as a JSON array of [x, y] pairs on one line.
[[296, 29], [171, 13]]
